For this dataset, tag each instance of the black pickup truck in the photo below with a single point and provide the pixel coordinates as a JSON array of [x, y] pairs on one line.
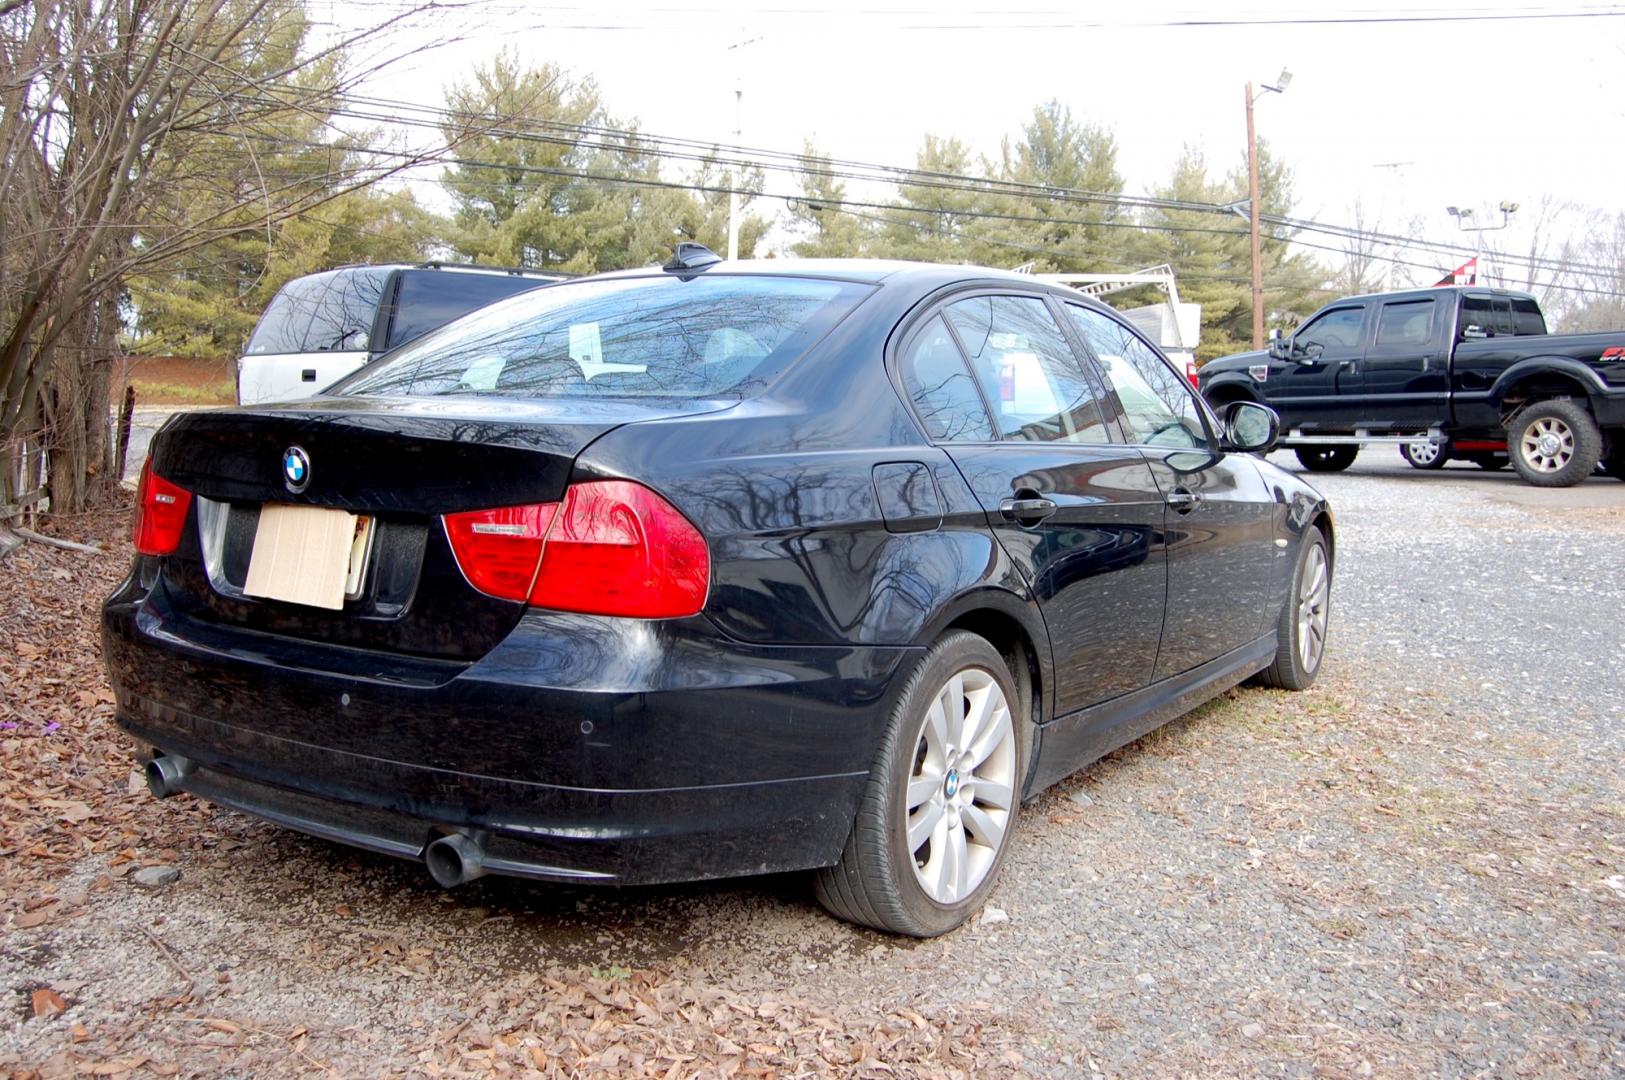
[[1452, 372]]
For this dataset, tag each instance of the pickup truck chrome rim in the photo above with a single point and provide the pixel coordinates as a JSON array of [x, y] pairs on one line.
[[1312, 611], [1424, 453], [1547, 444], [962, 786]]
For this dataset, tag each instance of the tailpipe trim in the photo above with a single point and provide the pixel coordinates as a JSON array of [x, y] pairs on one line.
[[454, 859], [165, 773]]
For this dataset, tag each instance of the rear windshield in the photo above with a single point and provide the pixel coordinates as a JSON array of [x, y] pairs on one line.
[[429, 299], [329, 312], [710, 337]]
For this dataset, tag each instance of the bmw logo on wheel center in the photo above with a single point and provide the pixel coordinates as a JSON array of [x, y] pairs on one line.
[[295, 469]]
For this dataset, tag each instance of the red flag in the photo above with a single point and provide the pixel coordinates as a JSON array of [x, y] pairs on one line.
[[1468, 270]]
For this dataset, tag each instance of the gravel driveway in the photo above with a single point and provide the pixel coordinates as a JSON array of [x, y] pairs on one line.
[[1417, 868]]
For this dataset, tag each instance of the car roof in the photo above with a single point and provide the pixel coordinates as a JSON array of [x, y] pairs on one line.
[[1434, 290], [872, 271]]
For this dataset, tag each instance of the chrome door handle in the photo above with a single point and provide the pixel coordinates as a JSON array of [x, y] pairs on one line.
[[1027, 511], [1184, 500]]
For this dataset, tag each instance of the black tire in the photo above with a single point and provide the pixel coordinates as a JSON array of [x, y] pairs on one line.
[[1488, 462], [1290, 670], [1327, 458], [1425, 455], [1614, 463], [874, 884], [1569, 458]]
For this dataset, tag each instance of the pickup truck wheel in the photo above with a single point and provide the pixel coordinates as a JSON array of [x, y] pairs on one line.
[[1300, 635], [1554, 443], [1425, 455], [1327, 458]]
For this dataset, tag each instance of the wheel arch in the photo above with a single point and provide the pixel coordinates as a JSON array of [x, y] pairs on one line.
[[1229, 388], [1540, 378], [1014, 627]]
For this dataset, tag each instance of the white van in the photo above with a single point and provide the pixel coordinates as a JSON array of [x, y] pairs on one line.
[[321, 327]]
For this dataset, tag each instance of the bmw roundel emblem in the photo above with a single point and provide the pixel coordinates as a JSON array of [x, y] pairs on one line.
[[295, 469]]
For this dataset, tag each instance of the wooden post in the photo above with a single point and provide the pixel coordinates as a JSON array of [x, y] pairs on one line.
[[126, 416]]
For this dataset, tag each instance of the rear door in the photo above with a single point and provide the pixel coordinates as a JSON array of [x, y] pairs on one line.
[[1324, 389], [1406, 373], [995, 382], [1220, 514]]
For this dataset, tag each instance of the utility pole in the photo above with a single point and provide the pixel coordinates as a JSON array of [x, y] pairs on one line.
[[1252, 225], [738, 49], [1252, 204]]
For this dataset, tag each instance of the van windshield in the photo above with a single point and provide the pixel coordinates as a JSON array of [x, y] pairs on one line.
[[328, 312], [714, 336]]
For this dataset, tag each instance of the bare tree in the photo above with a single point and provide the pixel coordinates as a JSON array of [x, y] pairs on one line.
[[1364, 267], [99, 101]]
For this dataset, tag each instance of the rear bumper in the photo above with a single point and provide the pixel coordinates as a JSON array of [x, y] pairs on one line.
[[579, 749]]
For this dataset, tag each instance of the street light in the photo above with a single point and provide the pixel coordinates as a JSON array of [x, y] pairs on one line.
[[1281, 83], [1466, 218]]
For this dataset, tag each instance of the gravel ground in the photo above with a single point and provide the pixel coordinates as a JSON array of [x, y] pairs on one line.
[[1415, 869]]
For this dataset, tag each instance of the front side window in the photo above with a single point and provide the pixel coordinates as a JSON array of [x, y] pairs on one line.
[[723, 337], [1029, 374], [1158, 405], [1406, 324], [939, 384], [1338, 328]]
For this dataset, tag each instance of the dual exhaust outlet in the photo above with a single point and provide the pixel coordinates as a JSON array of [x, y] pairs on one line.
[[453, 859]]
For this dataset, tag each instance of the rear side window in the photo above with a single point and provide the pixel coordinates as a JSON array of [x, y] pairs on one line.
[[1407, 323], [329, 312], [722, 337], [1527, 319], [1028, 372], [429, 299], [939, 384]]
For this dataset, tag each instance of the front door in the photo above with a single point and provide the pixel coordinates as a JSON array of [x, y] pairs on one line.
[[1406, 371], [1220, 516], [996, 383], [1320, 385]]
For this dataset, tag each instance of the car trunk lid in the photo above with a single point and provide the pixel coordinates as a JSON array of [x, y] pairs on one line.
[[401, 463]]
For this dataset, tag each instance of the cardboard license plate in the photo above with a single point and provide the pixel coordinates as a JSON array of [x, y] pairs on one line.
[[308, 555]]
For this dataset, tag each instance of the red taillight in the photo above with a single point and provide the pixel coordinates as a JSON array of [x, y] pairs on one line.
[[1190, 372], [612, 547], [160, 513], [499, 550]]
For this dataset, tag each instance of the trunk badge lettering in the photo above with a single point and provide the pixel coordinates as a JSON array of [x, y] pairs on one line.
[[295, 469]]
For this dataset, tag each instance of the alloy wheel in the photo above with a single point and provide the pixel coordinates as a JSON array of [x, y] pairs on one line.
[[1547, 444], [962, 786], [1424, 452], [1313, 611]]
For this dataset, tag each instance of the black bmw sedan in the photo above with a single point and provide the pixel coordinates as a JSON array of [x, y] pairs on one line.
[[712, 570]]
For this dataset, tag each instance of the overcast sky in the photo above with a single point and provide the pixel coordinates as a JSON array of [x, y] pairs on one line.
[[1407, 116]]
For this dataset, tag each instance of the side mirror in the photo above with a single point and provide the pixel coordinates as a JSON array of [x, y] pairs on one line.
[[1279, 346], [1251, 428]]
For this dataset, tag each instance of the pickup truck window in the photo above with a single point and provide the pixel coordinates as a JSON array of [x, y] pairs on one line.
[[1337, 328], [1409, 322], [1527, 319]]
